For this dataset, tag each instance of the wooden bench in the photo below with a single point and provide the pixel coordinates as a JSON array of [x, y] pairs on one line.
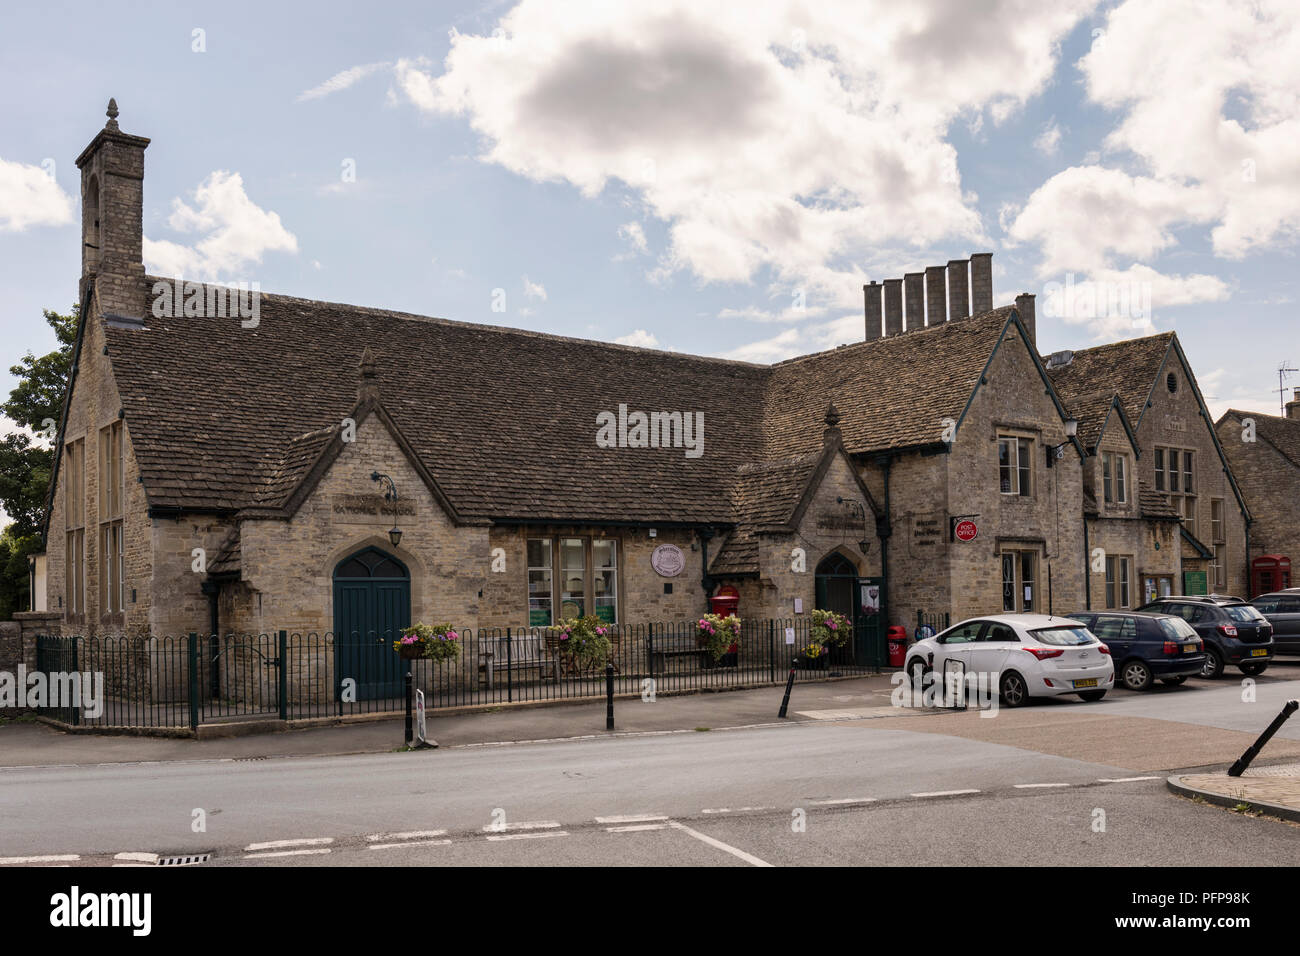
[[525, 651], [673, 646]]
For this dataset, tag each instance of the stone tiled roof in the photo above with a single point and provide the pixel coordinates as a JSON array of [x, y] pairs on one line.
[[892, 392], [1153, 504], [1093, 414], [229, 555], [1128, 368], [1282, 433], [224, 417]]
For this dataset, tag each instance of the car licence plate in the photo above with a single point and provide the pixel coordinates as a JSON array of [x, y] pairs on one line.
[[1191, 647], [1090, 682], [1259, 652]]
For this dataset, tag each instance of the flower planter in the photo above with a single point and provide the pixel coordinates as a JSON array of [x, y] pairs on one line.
[[410, 652], [813, 663]]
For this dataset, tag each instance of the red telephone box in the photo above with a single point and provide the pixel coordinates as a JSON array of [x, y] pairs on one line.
[[1269, 572]]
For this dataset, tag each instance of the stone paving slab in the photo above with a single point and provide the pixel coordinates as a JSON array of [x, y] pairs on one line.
[[1277, 794]]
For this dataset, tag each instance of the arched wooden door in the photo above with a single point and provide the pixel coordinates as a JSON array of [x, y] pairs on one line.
[[372, 604]]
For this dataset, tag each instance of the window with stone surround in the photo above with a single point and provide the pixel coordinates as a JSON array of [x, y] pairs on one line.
[[1219, 544], [74, 521], [1019, 580], [1114, 477], [1119, 581], [579, 574], [1015, 465], [1176, 480], [112, 586]]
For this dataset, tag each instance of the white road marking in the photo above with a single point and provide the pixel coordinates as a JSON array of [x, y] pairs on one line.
[[534, 835], [830, 803], [944, 793], [1123, 779], [407, 835], [263, 856], [390, 846], [138, 857], [633, 818], [636, 828], [736, 809], [279, 844], [510, 827], [1035, 786], [718, 844], [20, 860]]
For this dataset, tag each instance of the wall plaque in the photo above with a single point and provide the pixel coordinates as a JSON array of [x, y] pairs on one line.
[[668, 560], [368, 509]]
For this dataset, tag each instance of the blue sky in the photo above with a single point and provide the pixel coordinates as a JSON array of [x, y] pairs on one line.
[[713, 181]]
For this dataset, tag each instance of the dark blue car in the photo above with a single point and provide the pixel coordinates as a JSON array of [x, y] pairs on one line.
[[1147, 647]]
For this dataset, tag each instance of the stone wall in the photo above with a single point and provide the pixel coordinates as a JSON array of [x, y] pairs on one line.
[[1271, 487], [1174, 420], [95, 404]]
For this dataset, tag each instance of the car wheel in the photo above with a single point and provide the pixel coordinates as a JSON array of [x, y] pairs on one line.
[[1213, 665], [1173, 681], [1253, 669], [1093, 695], [916, 671], [1013, 690], [1135, 675]]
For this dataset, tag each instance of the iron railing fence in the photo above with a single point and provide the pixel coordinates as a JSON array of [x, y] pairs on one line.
[[182, 682]]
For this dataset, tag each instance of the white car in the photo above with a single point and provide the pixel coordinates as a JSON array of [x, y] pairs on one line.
[[1029, 655]]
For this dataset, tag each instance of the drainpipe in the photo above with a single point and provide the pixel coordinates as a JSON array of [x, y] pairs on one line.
[[706, 581], [213, 590], [884, 531], [1087, 569]]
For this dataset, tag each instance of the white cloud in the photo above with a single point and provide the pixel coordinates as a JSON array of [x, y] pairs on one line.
[[1208, 93], [237, 233], [1211, 94], [641, 338], [1049, 140], [341, 81], [1085, 216], [807, 159], [534, 290], [29, 196], [634, 236]]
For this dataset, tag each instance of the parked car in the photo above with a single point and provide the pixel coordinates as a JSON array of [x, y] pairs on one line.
[[1234, 632], [1282, 609], [1147, 647], [1034, 655]]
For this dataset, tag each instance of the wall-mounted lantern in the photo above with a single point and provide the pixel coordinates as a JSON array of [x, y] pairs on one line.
[[390, 494]]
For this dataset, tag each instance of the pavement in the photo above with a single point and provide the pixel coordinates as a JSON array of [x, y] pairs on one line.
[[31, 744]]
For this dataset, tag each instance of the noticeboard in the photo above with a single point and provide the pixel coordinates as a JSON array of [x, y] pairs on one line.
[[1194, 582]]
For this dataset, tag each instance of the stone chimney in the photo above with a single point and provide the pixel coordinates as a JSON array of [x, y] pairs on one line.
[[914, 296], [112, 218], [981, 282], [871, 296], [936, 296], [1025, 306], [893, 306], [1293, 407], [958, 300]]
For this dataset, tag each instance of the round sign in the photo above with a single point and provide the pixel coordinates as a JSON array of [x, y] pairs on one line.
[[965, 531], [668, 560]]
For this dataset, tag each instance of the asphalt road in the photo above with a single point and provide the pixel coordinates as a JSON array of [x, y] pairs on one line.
[[833, 791]]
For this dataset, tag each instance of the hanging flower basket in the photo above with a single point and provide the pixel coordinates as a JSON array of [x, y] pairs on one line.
[[719, 635], [830, 629], [584, 642], [438, 643]]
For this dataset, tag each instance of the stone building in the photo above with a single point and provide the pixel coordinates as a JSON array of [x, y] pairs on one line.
[[255, 463], [1264, 451], [1177, 459]]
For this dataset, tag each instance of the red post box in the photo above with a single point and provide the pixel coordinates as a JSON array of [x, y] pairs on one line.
[[897, 638]]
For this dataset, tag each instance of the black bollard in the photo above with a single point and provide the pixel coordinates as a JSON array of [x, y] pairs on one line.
[[410, 699], [789, 683], [1253, 750], [609, 696]]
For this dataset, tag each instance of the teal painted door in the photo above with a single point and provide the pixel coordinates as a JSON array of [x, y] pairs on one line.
[[372, 604]]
